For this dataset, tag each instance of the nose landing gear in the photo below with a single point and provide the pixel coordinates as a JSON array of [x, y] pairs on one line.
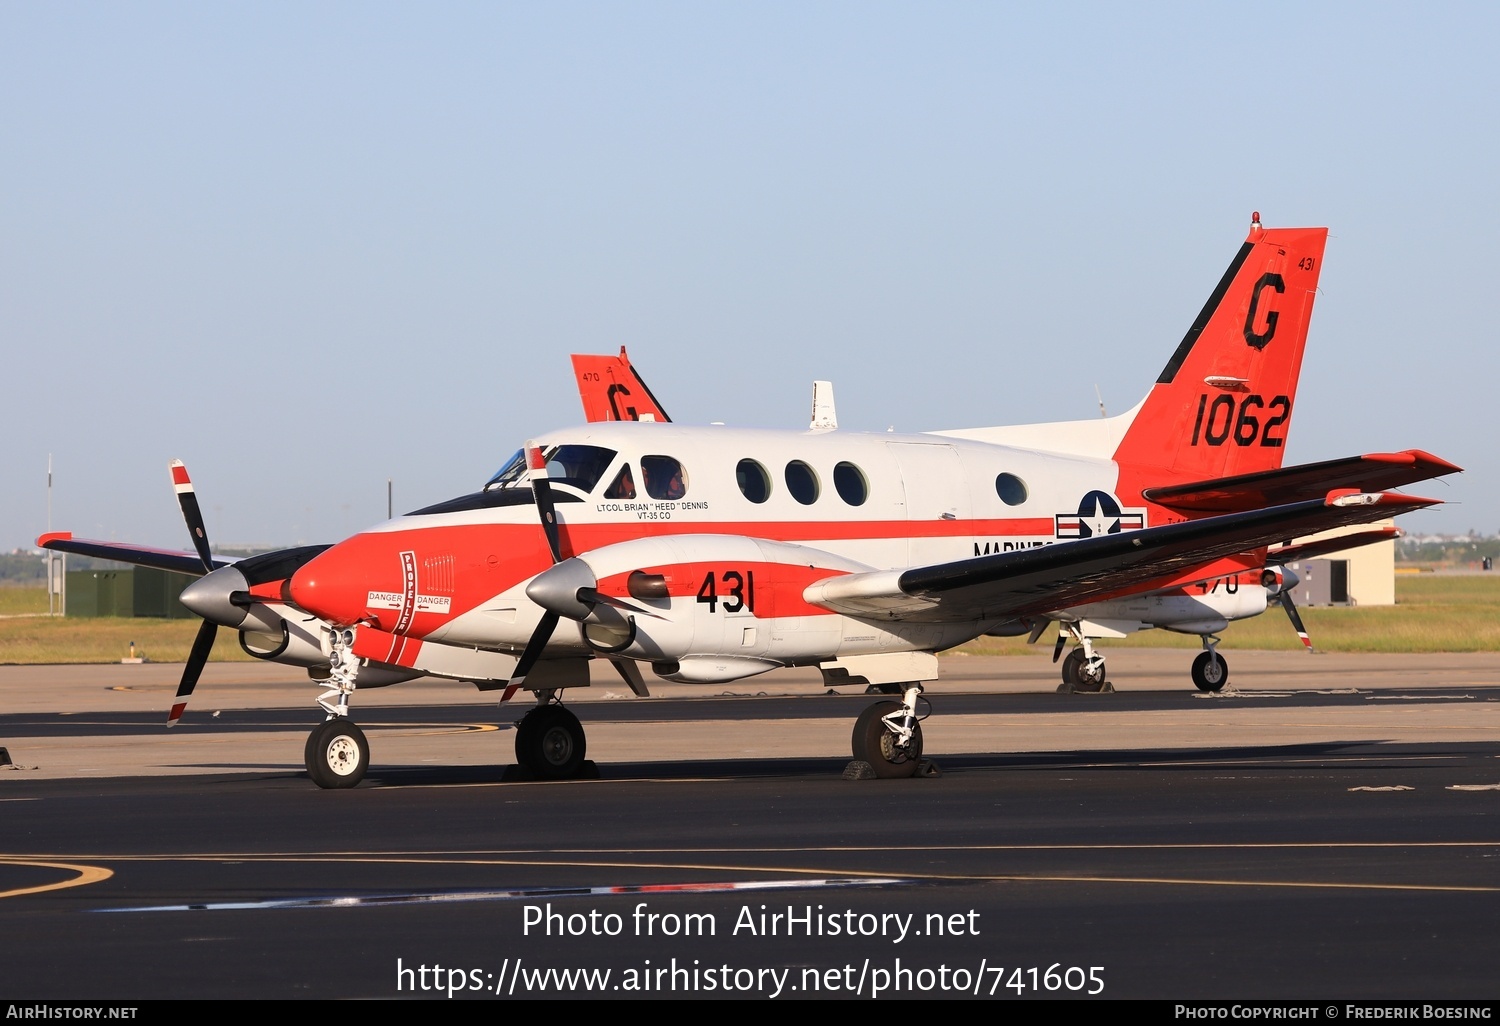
[[337, 753]]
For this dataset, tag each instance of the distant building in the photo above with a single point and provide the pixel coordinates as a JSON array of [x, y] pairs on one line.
[[1363, 576]]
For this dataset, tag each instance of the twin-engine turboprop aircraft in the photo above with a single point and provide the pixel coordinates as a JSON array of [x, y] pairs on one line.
[[1203, 608], [714, 554]]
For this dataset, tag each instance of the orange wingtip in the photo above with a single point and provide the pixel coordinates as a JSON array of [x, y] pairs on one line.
[[53, 536], [1434, 465]]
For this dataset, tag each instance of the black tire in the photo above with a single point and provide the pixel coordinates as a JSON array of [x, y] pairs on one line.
[[874, 744], [550, 743], [337, 754], [1070, 664], [1210, 671]]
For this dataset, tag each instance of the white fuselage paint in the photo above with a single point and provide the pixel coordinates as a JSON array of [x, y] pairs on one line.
[[930, 499]]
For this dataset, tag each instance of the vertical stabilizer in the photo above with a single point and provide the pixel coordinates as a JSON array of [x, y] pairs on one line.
[[612, 390], [1223, 404]]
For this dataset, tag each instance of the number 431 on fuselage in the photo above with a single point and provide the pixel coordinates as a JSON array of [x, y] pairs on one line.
[[713, 554]]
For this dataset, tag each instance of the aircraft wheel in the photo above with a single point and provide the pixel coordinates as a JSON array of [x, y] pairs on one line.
[[1071, 664], [876, 745], [1210, 671], [550, 743], [337, 753], [1086, 678]]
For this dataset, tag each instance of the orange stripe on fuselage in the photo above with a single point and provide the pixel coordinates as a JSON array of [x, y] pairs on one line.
[[764, 589]]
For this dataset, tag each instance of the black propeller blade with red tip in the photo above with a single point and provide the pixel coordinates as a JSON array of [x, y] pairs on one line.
[[203, 643], [1280, 581], [541, 489]]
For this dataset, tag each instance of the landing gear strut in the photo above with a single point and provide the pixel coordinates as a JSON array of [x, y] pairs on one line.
[[549, 741], [888, 735]]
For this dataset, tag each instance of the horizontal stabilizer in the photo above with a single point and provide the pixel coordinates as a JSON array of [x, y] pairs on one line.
[[159, 559], [1376, 472], [1053, 577]]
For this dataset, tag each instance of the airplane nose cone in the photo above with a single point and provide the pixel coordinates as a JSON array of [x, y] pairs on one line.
[[328, 586], [209, 596]]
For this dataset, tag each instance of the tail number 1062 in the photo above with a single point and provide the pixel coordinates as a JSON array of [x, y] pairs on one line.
[[1250, 421]]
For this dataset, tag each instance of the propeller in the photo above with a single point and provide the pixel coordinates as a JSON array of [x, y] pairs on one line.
[[203, 643], [541, 489], [568, 588], [1280, 582]]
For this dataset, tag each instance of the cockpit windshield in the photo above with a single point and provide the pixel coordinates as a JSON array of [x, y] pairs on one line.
[[580, 466]]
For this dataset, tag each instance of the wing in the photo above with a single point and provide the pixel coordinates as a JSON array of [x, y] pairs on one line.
[[160, 559], [1376, 472], [1071, 573]]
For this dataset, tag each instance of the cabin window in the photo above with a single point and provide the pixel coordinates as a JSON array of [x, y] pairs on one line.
[[623, 486], [665, 478], [802, 482], [754, 482], [1011, 489], [849, 481]]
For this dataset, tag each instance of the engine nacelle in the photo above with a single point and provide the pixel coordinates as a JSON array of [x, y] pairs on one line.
[[714, 608], [1192, 610]]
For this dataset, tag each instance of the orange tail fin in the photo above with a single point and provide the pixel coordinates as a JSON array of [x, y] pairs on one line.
[[612, 390], [1224, 402]]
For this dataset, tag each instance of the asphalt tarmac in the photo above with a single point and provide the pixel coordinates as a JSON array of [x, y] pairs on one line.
[[1325, 829]]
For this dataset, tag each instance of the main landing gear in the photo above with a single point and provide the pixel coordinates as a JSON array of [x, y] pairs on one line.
[[888, 735], [550, 743], [1083, 668], [1210, 671]]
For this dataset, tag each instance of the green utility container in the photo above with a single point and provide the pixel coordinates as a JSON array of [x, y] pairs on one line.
[[141, 591]]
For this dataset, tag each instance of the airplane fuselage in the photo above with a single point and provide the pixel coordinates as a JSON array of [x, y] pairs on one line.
[[838, 502]]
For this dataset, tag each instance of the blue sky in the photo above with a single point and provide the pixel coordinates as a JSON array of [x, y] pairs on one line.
[[307, 247]]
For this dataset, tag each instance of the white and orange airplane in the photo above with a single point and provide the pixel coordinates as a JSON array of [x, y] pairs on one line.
[[714, 554], [611, 388]]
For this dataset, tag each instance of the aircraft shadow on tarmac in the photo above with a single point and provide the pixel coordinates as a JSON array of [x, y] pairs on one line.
[[1308, 756]]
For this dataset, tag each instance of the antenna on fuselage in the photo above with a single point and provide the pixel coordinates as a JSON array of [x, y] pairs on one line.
[[1100, 395], [824, 416]]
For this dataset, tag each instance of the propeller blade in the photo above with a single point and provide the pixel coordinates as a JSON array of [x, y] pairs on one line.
[[202, 645], [541, 488], [534, 647], [1062, 639], [593, 596], [188, 500], [632, 674], [1292, 615]]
